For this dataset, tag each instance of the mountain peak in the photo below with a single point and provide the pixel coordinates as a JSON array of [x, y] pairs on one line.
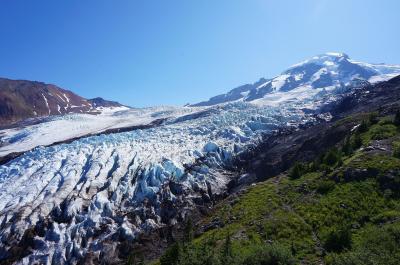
[[325, 58], [337, 54], [329, 70]]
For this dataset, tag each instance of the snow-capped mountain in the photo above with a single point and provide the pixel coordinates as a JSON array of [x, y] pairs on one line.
[[330, 70], [22, 99], [82, 200]]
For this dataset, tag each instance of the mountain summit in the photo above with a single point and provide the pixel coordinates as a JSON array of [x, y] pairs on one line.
[[329, 70]]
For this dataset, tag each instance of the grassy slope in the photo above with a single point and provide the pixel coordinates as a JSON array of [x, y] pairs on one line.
[[345, 213]]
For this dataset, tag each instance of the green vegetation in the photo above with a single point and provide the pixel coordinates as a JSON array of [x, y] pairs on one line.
[[297, 170], [376, 245], [338, 240], [343, 209], [379, 132], [396, 120], [396, 149]]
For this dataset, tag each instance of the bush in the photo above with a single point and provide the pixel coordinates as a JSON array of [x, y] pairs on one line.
[[356, 142], [188, 231], [380, 132], [256, 254], [396, 149], [297, 170], [396, 120], [325, 186], [347, 148], [269, 255], [227, 255], [387, 216], [373, 118], [338, 240], [363, 127], [333, 157], [171, 255], [376, 246]]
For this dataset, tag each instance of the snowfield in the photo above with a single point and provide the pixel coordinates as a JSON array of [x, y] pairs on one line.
[[85, 196], [69, 126]]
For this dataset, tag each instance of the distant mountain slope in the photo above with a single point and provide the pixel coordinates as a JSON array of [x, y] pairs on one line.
[[22, 99], [101, 102], [330, 70]]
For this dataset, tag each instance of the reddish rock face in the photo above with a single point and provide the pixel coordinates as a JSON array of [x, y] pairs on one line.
[[22, 99]]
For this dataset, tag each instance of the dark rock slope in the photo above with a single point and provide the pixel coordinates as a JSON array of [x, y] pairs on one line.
[[278, 152]]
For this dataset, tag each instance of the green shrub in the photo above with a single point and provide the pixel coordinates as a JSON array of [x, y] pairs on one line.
[[338, 240], [363, 127], [171, 255], [254, 254], [325, 186], [396, 149], [396, 120], [356, 141], [297, 170], [373, 118], [379, 132], [188, 231], [227, 252], [387, 216], [347, 148], [386, 120], [269, 255], [332, 157], [377, 245]]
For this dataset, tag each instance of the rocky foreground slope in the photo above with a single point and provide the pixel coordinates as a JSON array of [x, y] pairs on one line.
[[92, 199]]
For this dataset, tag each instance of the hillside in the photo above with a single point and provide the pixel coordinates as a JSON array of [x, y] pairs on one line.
[[342, 207], [23, 99]]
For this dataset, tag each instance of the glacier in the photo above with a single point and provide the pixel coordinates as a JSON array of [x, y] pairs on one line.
[[77, 200], [96, 181]]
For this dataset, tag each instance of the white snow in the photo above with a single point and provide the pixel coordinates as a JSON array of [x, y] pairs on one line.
[[47, 104], [318, 74], [245, 93], [62, 99], [264, 84], [61, 128], [329, 63], [66, 98], [299, 94], [335, 54], [298, 77], [384, 77], [279, 81]]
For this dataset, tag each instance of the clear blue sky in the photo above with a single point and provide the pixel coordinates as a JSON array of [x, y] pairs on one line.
[[145, 52]]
